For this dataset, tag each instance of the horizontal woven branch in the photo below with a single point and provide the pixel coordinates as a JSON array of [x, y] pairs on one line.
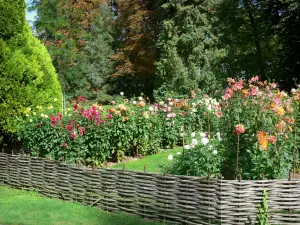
[[168, 198]]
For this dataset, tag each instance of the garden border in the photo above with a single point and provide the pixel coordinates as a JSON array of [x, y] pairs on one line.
[[167, 198]]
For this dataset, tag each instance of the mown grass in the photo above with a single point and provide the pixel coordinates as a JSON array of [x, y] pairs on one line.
[[152, 162], [27, 208]]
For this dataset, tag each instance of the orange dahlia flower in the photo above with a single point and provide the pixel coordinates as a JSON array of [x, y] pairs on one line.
[[262, 140]]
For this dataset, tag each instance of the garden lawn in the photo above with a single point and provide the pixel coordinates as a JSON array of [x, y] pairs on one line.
[[152, 162], [22, 208]]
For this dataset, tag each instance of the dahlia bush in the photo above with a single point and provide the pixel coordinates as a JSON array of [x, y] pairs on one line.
[[202, 156], [258, 129], [255, 136]]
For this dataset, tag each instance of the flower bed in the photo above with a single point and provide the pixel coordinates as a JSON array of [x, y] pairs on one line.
[[256, 137], [251, 132], [90, 135]]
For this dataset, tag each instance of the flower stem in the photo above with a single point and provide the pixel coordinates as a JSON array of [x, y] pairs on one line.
[[237, 157], [294, 154], [208, 124], [183, 140]]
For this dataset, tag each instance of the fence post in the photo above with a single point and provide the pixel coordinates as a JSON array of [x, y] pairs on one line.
[[144, 168], [239, 178], [208, 178], [290, 177], [221, 202]]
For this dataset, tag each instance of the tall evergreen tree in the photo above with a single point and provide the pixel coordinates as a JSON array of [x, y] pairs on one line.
[[27, 76], [189, 48]]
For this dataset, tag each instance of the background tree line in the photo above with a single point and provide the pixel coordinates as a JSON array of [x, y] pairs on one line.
[[168, 47]]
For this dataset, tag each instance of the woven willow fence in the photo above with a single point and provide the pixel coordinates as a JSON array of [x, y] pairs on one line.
[[173, 199]]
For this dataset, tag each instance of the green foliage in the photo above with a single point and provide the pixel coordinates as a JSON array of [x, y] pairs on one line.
[[97, 57], [94, 134], [260, 38], [246, 37], [262, 217], [28, 77], [265, 146], [12, 21], [78, 35], [147, 133], [284, 17], [297, 138], [72, 136], [167, 47], [189, 50], [250, 133], [198, 159]]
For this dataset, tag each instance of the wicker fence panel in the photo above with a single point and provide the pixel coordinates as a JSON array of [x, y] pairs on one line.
[[240, 200], [145, 190], [172, 199], [3, 168]]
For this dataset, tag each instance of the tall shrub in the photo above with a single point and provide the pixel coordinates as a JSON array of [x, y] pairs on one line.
[[27, 76]]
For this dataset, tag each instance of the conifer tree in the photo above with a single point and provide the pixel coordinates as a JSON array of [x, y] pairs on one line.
[[189, 48], [27, 76]]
